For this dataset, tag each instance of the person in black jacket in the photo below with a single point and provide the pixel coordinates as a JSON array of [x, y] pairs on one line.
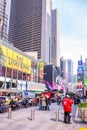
[[77, 100]]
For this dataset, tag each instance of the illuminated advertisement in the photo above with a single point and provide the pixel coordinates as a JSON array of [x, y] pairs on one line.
[[41, 71], [85, 75], [12, 59], [50, 75]]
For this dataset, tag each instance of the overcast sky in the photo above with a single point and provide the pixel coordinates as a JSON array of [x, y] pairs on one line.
[[73, 28]]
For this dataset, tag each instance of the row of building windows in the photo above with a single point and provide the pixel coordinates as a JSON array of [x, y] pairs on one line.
[[15, 74]]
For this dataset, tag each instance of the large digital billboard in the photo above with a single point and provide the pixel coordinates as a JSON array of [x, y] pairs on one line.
[[50, 75], [15, 60], [41, 71]]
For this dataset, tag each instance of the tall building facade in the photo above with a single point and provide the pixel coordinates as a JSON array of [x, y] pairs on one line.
[[30, 27], [62, 67], [3, 20], [69, 70], [55, 38]]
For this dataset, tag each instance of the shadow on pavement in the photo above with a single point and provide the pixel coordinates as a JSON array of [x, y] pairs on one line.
[[54, 119], [79, 122], [29, 118]]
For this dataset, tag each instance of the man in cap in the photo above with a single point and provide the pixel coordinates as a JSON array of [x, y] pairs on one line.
[[67, 105]]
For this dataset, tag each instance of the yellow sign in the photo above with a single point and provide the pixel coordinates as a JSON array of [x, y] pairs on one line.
[[12, 59], [42, 64], [41, 70], [83, 129]]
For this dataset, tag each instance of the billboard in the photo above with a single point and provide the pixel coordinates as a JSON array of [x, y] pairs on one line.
[[80, 62], [85, 75], [41, 71], [85, 81], [50, 75], [15, 60], [80, 74], [80, 70]]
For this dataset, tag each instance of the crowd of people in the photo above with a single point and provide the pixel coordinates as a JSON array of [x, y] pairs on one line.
[[1, 106], [44, 103], [16, 103]]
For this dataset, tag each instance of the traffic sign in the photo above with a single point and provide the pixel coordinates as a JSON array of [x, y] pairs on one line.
[[26, 93]]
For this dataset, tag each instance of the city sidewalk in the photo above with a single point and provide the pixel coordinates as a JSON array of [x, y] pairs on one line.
[[44, 120]]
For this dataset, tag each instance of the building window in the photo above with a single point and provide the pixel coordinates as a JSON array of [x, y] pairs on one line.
[[19, 75], [9, 73], [3, 71], [0, 70], [14, 74], [24, 76], [28, 77]]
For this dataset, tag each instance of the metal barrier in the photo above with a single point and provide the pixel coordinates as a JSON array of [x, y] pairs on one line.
[[32, 114], [9, 113], [57, 115]]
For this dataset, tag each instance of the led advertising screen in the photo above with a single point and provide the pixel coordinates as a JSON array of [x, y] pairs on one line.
[[15, 60], [50, 75]]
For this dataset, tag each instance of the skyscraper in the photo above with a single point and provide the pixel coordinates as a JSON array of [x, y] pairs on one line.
[[69, 70], [62, 67], [55, 38], [30, 27], [3, 20]]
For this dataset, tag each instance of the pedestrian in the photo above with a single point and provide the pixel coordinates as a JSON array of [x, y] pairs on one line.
[[77, 100], [67, 105], [1, 106], [43, 103], [59, 100], [47, 103], [40, 103]]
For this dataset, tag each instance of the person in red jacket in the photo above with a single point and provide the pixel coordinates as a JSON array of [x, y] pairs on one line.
[[67, 105]]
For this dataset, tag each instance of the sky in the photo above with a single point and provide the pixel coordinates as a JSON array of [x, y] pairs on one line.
[[73, 29]]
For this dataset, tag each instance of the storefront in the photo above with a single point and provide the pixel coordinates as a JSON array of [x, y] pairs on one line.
[[36, 87], [16, 68]]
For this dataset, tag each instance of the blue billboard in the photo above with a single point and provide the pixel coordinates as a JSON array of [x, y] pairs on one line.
[[80, 69], [80, 62]]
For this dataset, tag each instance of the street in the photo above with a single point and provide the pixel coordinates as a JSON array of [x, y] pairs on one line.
[[43, 120]]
